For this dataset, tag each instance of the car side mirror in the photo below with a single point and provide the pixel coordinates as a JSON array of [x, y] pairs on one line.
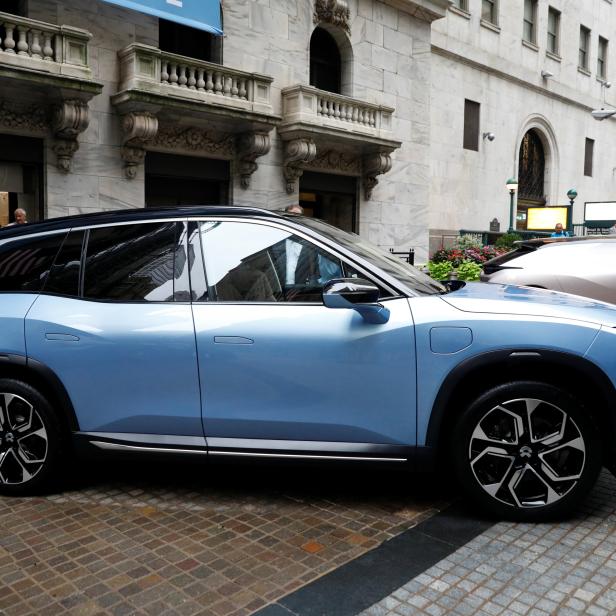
[[356, 294]]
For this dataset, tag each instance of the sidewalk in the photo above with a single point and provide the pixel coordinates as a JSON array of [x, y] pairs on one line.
[[540, 569]]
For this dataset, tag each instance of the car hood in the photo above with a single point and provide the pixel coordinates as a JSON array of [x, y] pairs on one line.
[[509, 299]]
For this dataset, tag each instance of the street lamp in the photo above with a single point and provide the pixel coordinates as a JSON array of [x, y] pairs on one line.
[[512, 186], [571, 195]]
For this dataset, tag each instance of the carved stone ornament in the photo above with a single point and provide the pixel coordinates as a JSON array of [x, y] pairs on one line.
[[139, 130], [298, 152], [65, 150], [29, 120], [374, 164], [68, 119], [195, 140], [331, 160], [132, 157], [335, 12], [249, 147]]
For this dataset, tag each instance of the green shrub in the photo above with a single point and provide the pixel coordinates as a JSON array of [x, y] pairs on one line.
[[506, 241], [468, 241], [469, 271], [440, 271]]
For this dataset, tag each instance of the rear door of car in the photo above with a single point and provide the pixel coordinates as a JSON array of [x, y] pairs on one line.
[[280, 372], [114, 323], [24, 263]]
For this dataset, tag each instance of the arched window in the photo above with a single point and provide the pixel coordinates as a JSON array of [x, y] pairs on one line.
[[325, 62], [531, 169]]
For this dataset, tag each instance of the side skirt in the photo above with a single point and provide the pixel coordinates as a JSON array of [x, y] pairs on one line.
[[91, 443]]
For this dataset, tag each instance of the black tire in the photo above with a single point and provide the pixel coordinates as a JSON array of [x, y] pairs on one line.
[[30, 440], [540, 456]]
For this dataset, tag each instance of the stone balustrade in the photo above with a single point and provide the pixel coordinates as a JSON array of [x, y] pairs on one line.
[[36, 45], [147, 68], [308, 105]]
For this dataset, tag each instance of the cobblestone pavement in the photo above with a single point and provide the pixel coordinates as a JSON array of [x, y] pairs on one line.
[[563, 569], [189, 539]]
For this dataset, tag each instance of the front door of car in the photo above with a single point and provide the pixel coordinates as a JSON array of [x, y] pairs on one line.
[[118, 332], [277, 367]]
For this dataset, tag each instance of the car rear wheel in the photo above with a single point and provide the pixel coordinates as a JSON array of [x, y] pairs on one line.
[[30, 440], [526, 451]]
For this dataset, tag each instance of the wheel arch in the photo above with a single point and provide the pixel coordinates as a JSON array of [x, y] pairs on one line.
[[474, 375], [44, 380]]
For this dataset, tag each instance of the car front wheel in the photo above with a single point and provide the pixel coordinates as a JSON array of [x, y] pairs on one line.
[[527, 451], [29, 439]]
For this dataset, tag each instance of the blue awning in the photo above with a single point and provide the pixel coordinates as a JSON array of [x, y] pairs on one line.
[[202, 14]]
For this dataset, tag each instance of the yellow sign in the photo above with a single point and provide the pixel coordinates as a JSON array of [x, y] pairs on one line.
[[545, 218]]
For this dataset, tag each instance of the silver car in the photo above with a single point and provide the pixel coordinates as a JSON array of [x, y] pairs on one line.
[[579, 265]]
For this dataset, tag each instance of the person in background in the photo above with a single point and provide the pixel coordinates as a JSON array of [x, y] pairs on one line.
[[296, 208], [20, 217], [559, 231]]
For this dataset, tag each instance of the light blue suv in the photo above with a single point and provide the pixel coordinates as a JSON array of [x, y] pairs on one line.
[[226, 332]]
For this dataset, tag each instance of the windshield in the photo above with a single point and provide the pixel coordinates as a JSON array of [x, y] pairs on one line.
[[408, 275]]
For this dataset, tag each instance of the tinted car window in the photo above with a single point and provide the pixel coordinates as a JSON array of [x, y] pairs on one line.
[[138, 262], [64, 275], [407, 274], [258, 263], [24, 264]]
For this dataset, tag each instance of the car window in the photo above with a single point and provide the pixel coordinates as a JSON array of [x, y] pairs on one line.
[[25, 263], [258, 263], [137, 262], [63, 277], [408, 275]]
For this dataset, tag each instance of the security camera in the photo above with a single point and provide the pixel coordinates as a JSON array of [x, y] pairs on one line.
[[607, 84], [489, 136], [602, 114]]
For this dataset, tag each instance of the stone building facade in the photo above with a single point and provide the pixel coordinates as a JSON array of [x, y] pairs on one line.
[[99, 111], [524, 66]]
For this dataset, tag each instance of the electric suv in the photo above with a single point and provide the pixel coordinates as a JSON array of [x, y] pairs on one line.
[[222, 332]]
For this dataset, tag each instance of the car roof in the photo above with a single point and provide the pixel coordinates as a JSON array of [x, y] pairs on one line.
[[540, 242], [135, 214]]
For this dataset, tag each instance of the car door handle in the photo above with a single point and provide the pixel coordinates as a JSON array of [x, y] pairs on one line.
[[232, 340], [62, 337]]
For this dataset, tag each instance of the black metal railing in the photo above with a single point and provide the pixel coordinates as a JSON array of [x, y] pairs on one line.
[[409, 256]]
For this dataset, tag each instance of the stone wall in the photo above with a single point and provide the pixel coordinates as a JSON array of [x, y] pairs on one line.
[[495, 68], [391, 66]]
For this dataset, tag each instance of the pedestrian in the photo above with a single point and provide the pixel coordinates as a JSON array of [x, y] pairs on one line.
[[296, 208], [559, 231], [20, 217]]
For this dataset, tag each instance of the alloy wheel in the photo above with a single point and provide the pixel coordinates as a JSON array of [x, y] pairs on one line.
[[24, 441], [527, 453]]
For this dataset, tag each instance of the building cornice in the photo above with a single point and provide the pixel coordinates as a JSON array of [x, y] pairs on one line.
[[585, 104], [426, 10]]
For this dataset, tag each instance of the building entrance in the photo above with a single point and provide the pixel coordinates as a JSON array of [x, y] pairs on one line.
[[332, 198], [21, 173], [172, 180]]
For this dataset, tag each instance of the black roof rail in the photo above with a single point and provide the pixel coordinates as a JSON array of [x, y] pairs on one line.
[[136, 214]]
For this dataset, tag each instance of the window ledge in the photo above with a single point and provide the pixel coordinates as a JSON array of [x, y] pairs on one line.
[[530, 45], [584, 71], [490, 26], [553, 56], [461, 12], [602, 80]]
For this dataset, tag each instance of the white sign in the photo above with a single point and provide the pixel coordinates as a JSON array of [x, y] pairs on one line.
[[599, 210]]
